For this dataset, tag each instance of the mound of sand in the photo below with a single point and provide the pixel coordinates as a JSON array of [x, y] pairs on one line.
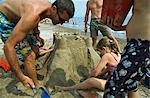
[[71, 62]]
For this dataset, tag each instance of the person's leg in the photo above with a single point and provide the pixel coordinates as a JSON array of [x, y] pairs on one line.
[[6, 27], [88, 94], [130, 70], [87, 84], [27, 52], [133, 94], [94, 39], [32, 41], [94, 31], [29, 64]]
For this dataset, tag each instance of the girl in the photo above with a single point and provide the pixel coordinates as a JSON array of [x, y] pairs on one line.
[[110, 58]]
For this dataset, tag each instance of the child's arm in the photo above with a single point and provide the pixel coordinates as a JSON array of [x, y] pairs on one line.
[[100, 66]]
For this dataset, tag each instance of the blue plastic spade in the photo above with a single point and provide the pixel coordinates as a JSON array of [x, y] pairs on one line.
[[45, 93]]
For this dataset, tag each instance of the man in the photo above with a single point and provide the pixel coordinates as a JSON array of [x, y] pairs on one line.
[[17, 18], [95, 7], [135, 61]]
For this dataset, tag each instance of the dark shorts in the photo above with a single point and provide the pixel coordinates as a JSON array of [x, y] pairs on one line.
[[134, 64], [22, 48], [96, 26]]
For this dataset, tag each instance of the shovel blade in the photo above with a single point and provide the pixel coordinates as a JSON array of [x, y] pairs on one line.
[[45, 93]]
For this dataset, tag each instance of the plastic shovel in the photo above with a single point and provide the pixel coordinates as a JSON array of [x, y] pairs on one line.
[[45, 92], [4, 64]]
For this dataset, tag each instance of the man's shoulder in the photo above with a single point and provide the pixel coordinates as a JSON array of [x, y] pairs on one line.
[[39, 7]]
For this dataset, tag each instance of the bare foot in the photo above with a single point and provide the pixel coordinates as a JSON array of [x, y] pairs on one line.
[[87, 94]]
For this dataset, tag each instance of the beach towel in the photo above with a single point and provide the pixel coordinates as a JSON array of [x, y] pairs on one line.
[[115, 10]]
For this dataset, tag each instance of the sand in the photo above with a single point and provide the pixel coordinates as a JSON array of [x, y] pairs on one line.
[[11, 88]]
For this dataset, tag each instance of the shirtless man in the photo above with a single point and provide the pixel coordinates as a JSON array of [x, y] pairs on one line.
[[95, 7], [17, 19], [135, 62]]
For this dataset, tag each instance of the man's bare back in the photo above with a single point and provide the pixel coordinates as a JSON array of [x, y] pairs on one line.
[[14, 9], [95, 6], [139, 27]]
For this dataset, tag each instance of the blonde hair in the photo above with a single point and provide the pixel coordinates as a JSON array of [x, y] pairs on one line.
[[106, 42]]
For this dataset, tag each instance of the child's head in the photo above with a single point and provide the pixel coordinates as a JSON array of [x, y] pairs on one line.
[[106, 45]]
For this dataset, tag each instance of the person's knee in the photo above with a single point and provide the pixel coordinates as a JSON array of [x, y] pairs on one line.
[[31, 56], [36, 51], [90, 81]]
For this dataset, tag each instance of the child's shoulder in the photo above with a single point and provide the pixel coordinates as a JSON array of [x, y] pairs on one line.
[[110, 55], [106, 56]]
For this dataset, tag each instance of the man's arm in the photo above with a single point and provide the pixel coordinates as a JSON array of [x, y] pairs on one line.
[[37, 35], [26, 23], [86, 16]]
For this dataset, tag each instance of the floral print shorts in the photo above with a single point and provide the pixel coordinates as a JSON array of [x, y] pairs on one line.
[[22, 48], [134, 64]]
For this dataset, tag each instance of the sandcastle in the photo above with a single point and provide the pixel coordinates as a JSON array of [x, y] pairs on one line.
[[70, 62]]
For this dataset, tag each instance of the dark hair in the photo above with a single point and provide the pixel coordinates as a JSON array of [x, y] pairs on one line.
[[67, 5], [106, 42]]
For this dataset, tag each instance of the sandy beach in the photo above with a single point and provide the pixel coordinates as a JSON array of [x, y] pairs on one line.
[[11, 88]]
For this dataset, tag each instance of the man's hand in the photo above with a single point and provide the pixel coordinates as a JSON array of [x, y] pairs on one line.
[[27, 82]]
